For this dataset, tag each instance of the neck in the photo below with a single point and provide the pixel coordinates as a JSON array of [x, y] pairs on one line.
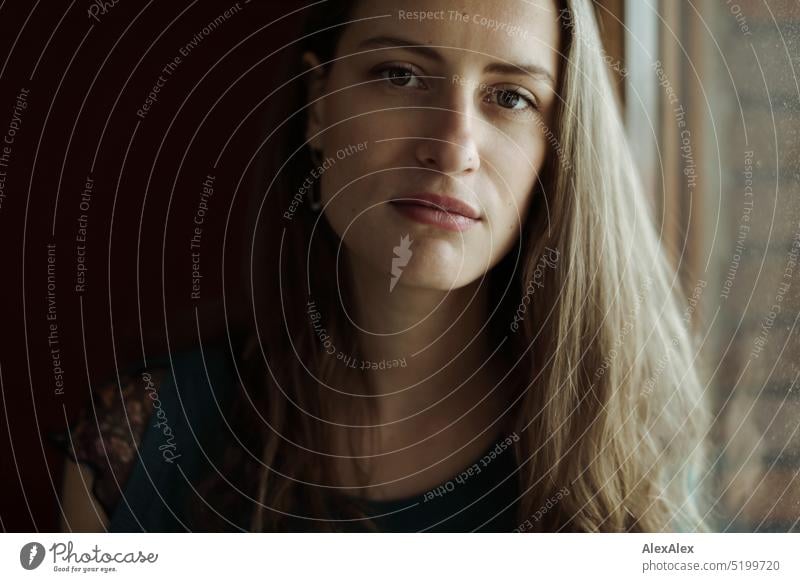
[[429, 346]]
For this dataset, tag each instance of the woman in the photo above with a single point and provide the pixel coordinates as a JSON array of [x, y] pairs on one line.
[[466, 320]]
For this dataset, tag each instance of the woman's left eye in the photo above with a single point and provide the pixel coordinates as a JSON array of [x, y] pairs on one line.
[[512, 99], [401, 76]]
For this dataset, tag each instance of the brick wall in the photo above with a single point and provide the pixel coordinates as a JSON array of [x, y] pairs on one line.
[[756, 346]]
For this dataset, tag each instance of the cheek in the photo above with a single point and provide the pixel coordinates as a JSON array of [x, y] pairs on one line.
[[360, 179], [355, 192], [359, 149], [368, 164], [518, 169], [355, 115]]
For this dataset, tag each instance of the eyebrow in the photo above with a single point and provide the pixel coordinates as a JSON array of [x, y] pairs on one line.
[[532, 69]]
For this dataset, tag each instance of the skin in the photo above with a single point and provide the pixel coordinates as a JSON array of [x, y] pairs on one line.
[[442, 123]]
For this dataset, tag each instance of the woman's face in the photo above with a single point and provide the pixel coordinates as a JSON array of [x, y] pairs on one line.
[[433, 132]]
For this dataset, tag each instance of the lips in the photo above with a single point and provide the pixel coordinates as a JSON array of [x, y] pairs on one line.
[[445, 212]]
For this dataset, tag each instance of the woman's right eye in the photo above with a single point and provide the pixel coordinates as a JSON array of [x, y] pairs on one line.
[[401, 76]]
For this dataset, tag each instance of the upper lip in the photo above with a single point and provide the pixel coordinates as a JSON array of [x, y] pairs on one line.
[[445, 203]]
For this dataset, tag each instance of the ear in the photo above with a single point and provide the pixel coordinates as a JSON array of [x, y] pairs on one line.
[[315, 89]]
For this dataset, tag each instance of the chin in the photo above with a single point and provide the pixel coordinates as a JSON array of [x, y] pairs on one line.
[[434, 283], [440, 265], [436, 260]]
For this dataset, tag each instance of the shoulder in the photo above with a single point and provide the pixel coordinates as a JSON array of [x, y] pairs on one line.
[[139, 437], [102, 445]]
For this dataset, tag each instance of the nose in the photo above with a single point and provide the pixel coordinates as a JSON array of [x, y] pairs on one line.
[[450, 146]]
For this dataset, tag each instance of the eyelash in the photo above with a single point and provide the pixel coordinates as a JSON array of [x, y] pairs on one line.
[[379, 72]]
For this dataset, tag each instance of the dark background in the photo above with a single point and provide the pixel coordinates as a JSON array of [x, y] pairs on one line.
[[86, 81]]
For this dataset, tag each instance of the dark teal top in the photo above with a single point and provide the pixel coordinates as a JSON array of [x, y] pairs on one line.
[[162, 483]]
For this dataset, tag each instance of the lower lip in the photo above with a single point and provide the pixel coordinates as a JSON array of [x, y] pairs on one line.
[[435, 217]]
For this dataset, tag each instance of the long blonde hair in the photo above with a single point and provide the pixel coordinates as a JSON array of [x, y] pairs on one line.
[[616, 394], [610, 416]]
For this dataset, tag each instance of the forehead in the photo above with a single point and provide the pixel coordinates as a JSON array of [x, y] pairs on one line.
[[510, 30]]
